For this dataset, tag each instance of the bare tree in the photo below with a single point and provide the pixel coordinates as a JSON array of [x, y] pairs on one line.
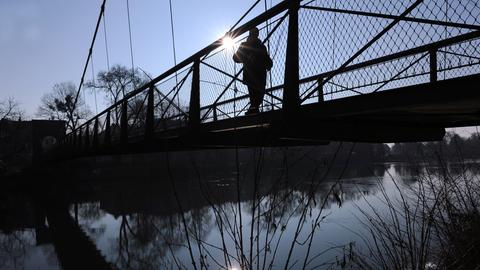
[[10, 110], [119, 81], [59, 105], [116, 83]]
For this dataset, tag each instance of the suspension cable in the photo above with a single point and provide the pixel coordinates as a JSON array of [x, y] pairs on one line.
[[84, 99], [106, 42], [102, 10], [94, 89], [244, 15], [172, 28], [268, 47], [130, 38]]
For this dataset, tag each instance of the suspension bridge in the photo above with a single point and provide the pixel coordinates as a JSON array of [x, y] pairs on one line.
[[361, 71]]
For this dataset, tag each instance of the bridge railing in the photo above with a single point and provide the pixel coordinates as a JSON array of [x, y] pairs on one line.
[[407, 54], [321, 50]]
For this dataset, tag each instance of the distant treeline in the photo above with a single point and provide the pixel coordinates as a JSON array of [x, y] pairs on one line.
[[453, 148]]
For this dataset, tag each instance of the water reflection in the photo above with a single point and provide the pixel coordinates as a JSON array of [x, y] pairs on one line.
[[25, 241], [142, 214], [146, 225]]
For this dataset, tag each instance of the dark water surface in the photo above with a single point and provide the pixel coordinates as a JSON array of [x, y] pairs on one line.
[[185, 211]]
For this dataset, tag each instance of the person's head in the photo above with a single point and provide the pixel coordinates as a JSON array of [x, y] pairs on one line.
[[253, 33]]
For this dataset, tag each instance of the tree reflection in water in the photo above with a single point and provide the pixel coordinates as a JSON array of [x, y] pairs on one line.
[[145, 241], [13, 249], [270, 222], [266, 209]]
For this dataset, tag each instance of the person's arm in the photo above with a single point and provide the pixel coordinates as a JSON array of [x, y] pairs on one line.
[[237, 56], [268, 60]]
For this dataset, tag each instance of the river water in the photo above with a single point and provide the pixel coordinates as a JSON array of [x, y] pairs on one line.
[[212, 211]]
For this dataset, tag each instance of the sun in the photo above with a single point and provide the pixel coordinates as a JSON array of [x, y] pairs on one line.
[[228, 42]]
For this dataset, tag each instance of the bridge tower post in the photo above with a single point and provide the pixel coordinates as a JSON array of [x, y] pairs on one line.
[[291, 95], [124, 124], [321, 98], [150, 114], [107, 139], [215, 114], [95, 135], [194, 111], [433, 65]]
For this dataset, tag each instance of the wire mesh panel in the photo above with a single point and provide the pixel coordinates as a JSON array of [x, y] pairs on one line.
[[221, 81], [137, 114], [102, 128], [332, 32], [459, 59], [277, 45], [223, 91], [171, 100]]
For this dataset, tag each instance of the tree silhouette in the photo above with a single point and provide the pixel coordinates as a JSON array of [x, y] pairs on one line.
[[116, 83], [59, 105], [10, 109]]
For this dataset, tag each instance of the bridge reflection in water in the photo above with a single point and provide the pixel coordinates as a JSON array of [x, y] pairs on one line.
[[132, 213]]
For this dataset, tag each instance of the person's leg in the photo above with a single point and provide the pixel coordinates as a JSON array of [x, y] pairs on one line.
[[260, 90], [257, 101], [261, 95], [252, 97]]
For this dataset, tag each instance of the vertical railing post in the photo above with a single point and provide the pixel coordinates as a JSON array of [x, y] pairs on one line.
[[95, 135], [79, 146], [150, 114], [87, 138], [433, 65], [215, 116], [73, 143], [194, 109], [291, 94], [320, 90], [124, 124], [107, 139]]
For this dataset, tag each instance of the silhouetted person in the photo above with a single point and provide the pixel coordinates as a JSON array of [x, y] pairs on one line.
[[256, 61]]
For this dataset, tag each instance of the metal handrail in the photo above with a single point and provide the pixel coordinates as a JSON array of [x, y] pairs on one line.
[[274, 11]]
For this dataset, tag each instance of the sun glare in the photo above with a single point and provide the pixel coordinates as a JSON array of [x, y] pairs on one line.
[[228, 42]]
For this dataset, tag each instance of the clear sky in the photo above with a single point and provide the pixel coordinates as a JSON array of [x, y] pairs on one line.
[[46, 42]]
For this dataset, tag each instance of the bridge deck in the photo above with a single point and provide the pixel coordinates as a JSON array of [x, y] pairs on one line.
[[413, 113]]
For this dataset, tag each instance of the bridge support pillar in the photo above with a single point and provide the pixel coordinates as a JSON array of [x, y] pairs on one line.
[[150, 114], [291, 95], [194, 111]]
